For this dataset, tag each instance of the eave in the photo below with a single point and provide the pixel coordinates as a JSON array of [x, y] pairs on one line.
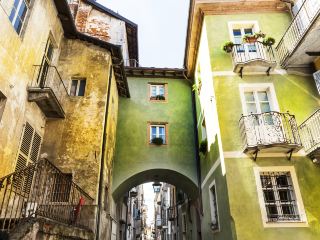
[[71, 32]]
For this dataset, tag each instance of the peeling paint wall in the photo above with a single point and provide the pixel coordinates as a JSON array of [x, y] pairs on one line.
[[98, 24], [18, 54]]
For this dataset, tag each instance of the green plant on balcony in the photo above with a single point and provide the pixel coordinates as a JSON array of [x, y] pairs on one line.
[[227, 47], [269, 41], [252, 38], [203, 148], [157, 141]]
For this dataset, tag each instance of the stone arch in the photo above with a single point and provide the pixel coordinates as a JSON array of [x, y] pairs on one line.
[[161, 175]]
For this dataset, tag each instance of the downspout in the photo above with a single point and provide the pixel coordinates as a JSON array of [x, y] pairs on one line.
[[104, 143]]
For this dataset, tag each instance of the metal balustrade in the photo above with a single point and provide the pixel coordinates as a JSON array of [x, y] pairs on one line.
[[41, 190], [248, 52], [299, 26], [131, 63], [48, 90], [310, 134], [269, 129]]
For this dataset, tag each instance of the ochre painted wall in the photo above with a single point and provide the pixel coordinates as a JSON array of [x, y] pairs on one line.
[[18, 54]]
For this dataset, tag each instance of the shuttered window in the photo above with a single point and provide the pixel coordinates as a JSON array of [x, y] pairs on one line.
[[316, 77], [28, 153]]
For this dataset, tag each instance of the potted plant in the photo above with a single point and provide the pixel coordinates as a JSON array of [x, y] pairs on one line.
[[160, 97], [203, 148], [269, 41], [227, 47], [157, 141], [260, 35], [250, 38]]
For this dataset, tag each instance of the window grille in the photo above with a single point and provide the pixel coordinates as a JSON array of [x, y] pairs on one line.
[[279, 196]]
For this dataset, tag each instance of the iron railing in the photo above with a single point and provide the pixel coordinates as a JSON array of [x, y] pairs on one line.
[[300, 24], [131, 63], [171, 213], [310, 133], [248, 52], [42, 190], [48, 77], [269, 128]]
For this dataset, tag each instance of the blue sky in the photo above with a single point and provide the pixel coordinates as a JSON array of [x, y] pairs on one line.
[[162, 28]]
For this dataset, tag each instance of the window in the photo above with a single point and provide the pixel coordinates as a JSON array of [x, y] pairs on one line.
[[214, 207], [17, 11], [157, 92], [238, 30], [46, 63], [258, 98], [61, 187], [3, 100], [279, 195], [156, 132], [78, 87]]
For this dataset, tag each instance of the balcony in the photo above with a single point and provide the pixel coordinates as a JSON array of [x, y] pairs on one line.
[[300, 44], [172, 213], [310, 135], [48, 91], [253, 57], [269, 132], [42, 191]]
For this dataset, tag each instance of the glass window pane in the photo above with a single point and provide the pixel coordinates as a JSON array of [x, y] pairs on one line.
[[236, 32], [251, 108], [263, 96], [248, 31], [82, 87], [161, 90], [249, 96], [13, 10], [153, 91], [265, 107], [73, 89], [269, 196]]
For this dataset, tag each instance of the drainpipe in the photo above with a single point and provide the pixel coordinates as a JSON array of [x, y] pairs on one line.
[[104, 144]]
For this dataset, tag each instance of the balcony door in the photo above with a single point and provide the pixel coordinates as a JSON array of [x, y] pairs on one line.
[[45, 64], [265, 124], [244, 50]]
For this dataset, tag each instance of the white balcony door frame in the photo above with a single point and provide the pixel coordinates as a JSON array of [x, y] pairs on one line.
[[243, 25], [270, 133]]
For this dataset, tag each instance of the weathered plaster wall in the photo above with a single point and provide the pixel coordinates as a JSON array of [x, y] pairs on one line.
[[74, 144], [18, 54], [134, 155], [96, 23]]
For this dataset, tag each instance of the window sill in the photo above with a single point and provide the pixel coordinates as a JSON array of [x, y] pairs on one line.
[[283, 224]]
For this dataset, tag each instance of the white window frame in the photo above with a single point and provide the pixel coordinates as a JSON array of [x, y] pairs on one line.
[[157, 131], [242, 25], [303, 218], [78, 86], [255, 87], [211, 197], [157, 89]]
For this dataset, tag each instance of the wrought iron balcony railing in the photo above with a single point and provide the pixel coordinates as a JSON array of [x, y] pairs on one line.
[[255, 55], [172, 213], [310, 134], [131, 63], [48, 90], [299, 26], [42, 191], [275, 130]]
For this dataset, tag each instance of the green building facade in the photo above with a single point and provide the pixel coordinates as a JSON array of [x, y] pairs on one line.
[[257, 179]]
